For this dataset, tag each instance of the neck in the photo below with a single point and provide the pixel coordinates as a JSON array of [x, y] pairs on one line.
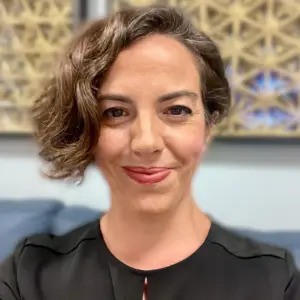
[[146, 241]]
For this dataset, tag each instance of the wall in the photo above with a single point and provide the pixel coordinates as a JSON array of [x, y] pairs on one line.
[[249, 185]]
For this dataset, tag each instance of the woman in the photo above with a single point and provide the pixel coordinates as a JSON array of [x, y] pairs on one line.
[[138, 95]]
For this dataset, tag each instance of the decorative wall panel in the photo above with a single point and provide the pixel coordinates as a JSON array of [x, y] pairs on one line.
[[260, 43], [32, 32]]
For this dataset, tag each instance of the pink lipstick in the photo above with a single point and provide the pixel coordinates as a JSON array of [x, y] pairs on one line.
[[147, 175]]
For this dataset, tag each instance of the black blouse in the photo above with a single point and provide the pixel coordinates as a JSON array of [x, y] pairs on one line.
[[80, 266]]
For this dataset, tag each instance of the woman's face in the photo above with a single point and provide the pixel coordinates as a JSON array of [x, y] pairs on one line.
[[153, 127]]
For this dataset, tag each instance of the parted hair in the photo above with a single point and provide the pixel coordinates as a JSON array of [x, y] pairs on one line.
[[66, 117]]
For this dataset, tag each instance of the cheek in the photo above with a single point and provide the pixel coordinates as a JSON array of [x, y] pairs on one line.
[[110, 146], [192, 147], [189, 144]]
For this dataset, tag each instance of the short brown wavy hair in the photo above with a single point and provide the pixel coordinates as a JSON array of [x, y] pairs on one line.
[[65, 116]]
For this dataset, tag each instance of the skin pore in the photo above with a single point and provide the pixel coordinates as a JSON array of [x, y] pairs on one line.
[[152, 116]]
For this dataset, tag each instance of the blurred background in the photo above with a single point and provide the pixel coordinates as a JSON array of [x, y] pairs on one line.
[[250, 177]]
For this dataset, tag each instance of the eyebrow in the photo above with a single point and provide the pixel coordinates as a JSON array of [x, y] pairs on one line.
[[162, 98]]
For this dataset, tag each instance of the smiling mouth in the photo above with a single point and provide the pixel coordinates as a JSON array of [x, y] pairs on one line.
[[147, 176]]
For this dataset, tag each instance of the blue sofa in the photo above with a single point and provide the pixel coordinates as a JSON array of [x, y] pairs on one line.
[[19, 219]]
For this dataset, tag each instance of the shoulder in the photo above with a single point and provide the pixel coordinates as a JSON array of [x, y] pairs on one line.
[[271, 265], [63, 244], [48, 253], [32, 248], [38, 256], [241, 246]]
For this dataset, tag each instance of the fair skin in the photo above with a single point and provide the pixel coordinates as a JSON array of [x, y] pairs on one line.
[[152, 116]]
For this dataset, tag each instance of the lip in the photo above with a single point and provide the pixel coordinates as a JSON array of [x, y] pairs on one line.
[[147, 176]]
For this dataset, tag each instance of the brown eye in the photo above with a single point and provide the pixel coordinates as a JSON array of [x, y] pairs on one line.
[[114, 112], [178, 110]]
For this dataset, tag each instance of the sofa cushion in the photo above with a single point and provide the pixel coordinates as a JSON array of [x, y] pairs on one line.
[[71, 217], [286, 239], [296, 255], [19, 219]]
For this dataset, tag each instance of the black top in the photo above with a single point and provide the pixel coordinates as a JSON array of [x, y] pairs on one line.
[[80, 266]]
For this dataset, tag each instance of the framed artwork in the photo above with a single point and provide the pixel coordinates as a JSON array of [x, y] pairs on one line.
[[32, 33], [260, 44]]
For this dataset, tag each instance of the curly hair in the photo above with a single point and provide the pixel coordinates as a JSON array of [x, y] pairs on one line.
[[65, 116]]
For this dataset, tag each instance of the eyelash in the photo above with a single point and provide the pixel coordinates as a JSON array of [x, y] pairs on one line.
[[184, 111], [114, 109]]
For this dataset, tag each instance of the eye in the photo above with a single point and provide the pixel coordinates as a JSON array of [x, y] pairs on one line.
[[114, 112], [178, 110]]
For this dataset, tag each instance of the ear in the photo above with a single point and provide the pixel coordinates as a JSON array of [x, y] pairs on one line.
[[207, 141], [209, 133], [210, 129]]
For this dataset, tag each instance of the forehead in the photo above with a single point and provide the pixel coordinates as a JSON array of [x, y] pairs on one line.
[[156, 60]]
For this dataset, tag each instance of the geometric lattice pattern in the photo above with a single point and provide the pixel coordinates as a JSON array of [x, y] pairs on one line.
[[32, 32], [260, 43]]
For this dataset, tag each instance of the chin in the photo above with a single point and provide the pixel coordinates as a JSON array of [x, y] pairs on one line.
[[154, 204]]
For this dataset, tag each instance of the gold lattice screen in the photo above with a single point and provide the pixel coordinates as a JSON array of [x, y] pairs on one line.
[[259, 40], [260, 43], [32, 32]]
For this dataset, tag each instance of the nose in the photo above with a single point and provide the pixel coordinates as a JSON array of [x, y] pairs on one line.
[[146, 137]]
